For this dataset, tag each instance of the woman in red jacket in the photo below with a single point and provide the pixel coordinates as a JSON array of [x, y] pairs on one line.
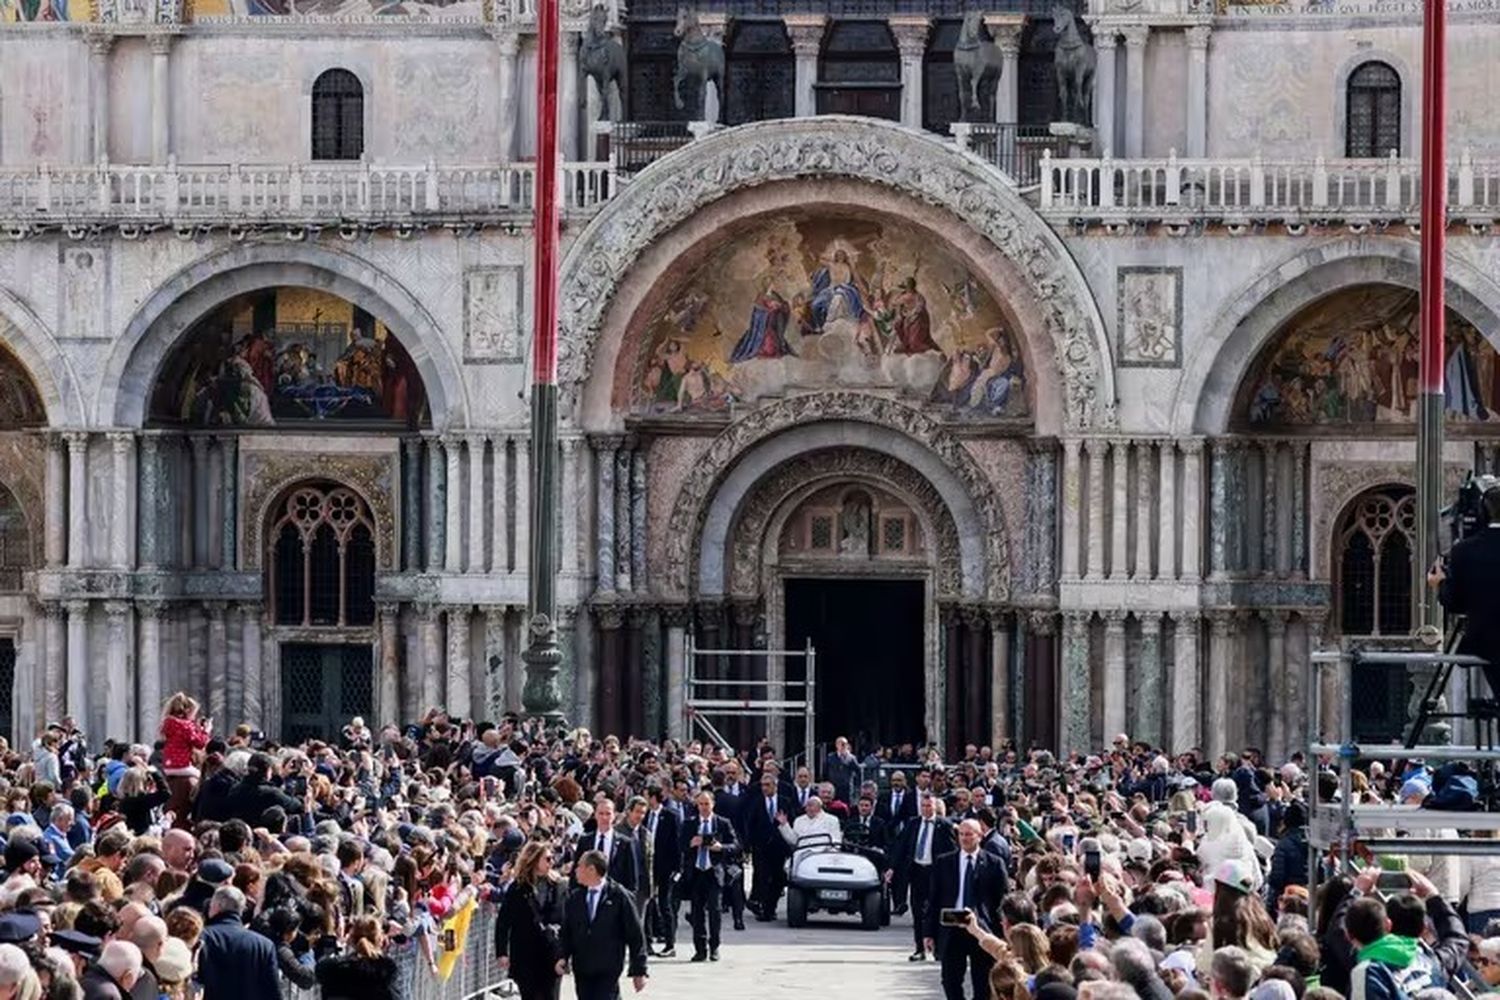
[[183, 736]]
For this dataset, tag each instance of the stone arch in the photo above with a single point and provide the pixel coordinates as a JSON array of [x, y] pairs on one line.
[[137, 355], [716, 490], [28, 338], [1249, 321], [922, 167], [758, 527]]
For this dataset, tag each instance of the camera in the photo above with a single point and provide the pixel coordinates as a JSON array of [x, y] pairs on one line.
[[1466, 514]]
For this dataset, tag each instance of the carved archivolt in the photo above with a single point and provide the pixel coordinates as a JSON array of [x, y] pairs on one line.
[[697, 490], [920, 166], [268, 477], [799, 476]]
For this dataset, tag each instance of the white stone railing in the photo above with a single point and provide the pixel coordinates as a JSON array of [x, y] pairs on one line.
[[1257, 189], [302, 192]]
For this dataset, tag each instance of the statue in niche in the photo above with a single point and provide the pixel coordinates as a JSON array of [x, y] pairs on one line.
[[976, 65], [854, 526], [699, 58], [602, 57], [1073, 62]]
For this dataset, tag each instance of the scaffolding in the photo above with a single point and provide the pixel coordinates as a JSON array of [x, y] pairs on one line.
[[772, 698], [1395, 829]]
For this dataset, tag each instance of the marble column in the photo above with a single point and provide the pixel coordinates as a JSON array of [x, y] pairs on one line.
[[676, 619], [1218, 516], [1197, 91], [567, 97], [623, 528], [1072, 501], [1145, 482], [633, 672], [78, 500], [229, 525], [254, 709], [1000, 641], [500, 504], [1119, 511], [119, 699], [1151, 683], [122, 443], [1077, 724], [638, 509], [218, 661], [210, 479], [234, 647], [806, 32], [1270, 458], [458, 698], [388, 691], [477, 513], [1094, 569], [522, 519], [161, 97], [1329, 677], [1168, 523], [911, 41], [430, 627], [611, 690], [1300, 567], [1007, 36], [1135, 89], [411, 505], [975, 668], [952, 681], [99, 46], [1191, 516], [148, 672], [201, 477], [1279, 710], [55, 489], [437, 482], [453, 517], [1220, 663], [508, 46], [1106, 44], [568, 511], [152, 483], [1185, 694], [55, 671], [1114, 674], [78, 661], [604, 505]]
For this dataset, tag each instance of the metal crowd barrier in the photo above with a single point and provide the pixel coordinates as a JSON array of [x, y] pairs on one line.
[[475, 976]]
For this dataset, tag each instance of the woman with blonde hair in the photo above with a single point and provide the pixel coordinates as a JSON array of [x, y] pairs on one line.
[[365, 971], [183, 738], [1030, 947], [526, 928]]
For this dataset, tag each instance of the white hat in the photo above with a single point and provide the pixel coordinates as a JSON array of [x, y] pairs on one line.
[[1139, 850]]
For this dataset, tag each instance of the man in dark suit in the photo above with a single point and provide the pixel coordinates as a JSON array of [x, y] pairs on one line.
[[619, 849], [897, 807], [967, 879], [925, 839], [600, 925], [708, 846], [990, 839], [729, 797], [767, 846], [864, 828], [632, 826], [802, 789], [666, 860], [1467, 585]]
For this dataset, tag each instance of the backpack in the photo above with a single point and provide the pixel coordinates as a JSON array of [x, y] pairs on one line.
[[1454, 788]]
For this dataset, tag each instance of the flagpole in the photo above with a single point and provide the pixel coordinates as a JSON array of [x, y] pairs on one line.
[[1434, 219]]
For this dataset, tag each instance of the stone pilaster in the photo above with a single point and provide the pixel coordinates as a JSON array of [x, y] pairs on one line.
[[148, 672], [78, 504], [1072, 501], [78, 662], [1119, 511], [1197, 90], [411, 505], [477, 512], [1114, 674], [55, 674], [453, 518], [806, 32], [911, 41], [55, 489], [459, 700], [623, 528], [1151, 683], [1186, 732], [430, 628], [1144, 510], [437, 505], [1106, 45], [119, 698], [604, 504], [253, 710], [229, 508], [1094, 569], [638, 508], [1220, 663], [1135, 89], [218, 661], [1168, 525], [507, 46], [1077, 727], [1191, 517], [388, 690]]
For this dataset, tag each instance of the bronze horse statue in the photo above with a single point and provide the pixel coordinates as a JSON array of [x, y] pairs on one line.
[[1073, 61], [698, 57], [976, 64], [602, 58]]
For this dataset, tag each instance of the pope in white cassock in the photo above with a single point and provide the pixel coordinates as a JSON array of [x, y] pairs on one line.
[[811, 823]]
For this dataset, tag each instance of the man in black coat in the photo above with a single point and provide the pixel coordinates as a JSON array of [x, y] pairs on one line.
[[925, 839], [967, 879], [600, 925], [864, 828], [253, 794], [619, 848], [729, 800], [897, 807], [666, 860], [767, 846], [1467, 585], [708, 846]]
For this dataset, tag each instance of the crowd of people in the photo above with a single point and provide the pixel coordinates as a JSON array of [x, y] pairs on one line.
[[225, 865]]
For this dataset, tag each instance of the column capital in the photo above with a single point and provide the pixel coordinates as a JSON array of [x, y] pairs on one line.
[[215, 610], [911, 34], [1150, 622], [100, 42], [388, 609], [1114, 620], [806, 32], [461, 611], [1042, 622], [972, 616], [117, 610], [1275, 619], [151, 610], [1191, 446], [1096, 447], [610, 615], [744, 612], [76, 606], [570, 42], [569, 446], [1105, 38], [508, 41], [1136, 35], [476, 440], [606, 442], [161, 42], [53, 610], [1077, 622], [427, 613], [121, 440], [676, 615], [77, 441], [1220, 620], [1197, 37], [1186, 619], [1005, 30]]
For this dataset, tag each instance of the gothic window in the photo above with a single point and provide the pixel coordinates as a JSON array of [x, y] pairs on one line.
[[761, 73], [1373, 109], [338, 116], [322, 565], [860, 71], [1373, 556], [15, 542]]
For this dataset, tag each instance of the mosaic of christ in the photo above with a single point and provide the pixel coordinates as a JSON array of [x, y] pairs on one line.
[[804, 303], [1351, 358]]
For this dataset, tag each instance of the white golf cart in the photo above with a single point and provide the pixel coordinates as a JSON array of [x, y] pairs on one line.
[[825, 877]]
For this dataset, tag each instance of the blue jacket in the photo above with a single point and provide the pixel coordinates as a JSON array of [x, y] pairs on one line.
[[235, 963]]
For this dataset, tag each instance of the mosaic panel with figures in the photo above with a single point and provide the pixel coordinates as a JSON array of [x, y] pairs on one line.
[[801, 302], [1351, 359]]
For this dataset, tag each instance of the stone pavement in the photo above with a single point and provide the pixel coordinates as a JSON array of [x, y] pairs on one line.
[[830, 957]]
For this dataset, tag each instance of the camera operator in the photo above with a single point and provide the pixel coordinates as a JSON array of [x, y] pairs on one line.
[[1468, 584]]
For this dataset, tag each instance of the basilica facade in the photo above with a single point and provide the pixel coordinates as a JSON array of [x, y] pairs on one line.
[[1071, 402]]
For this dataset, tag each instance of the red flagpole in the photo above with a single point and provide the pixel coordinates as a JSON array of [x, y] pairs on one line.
[[1434, 231], [545, 298]]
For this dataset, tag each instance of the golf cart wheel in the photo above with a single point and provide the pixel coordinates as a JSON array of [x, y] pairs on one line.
[[870, 909], [796, 908]]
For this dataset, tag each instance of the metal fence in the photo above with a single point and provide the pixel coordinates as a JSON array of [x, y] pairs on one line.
[[475, 976], [636, 145]]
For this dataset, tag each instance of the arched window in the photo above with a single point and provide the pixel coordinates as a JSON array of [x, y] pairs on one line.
[[15, 542], [1373, 111], [760, 77], [322, 566], [338, 116], [860, 71], [1373, 555]]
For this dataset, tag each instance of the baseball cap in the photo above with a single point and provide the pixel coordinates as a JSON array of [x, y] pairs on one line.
[[19, 851], [17, 927], [215, 872], [77, 942], [1237, 875]]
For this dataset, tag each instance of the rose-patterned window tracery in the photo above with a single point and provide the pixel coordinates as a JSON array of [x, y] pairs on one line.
[[322, 565], [1373, 553]]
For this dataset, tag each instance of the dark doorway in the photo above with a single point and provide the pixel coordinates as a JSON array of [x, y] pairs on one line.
[[868, 637], [7, 685], [323, 687]]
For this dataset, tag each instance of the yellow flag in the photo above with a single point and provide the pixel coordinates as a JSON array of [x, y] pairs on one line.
[[455, 933]]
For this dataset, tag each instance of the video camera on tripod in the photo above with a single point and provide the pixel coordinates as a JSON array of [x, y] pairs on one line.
[[1466, 514]]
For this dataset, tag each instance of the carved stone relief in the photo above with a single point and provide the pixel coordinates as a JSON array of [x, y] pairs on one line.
[[265, 477], [1149, 326], [492, 315]]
